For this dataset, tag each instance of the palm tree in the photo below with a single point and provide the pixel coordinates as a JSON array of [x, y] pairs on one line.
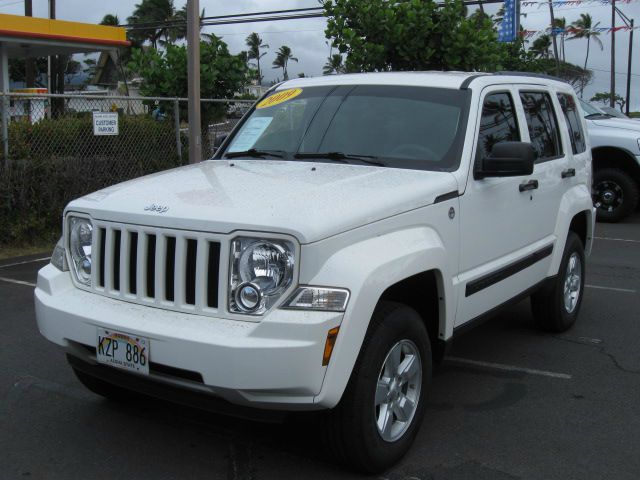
[[584, 28], [541, 46], [163, 19], [334, 65], [110, 20], [282, 60], [561, 24], [254, 42]]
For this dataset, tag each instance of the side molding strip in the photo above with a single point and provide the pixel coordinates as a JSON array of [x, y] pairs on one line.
[[505, 272]]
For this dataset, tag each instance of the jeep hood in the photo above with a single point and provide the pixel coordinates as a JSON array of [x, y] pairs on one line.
[[311, 201]]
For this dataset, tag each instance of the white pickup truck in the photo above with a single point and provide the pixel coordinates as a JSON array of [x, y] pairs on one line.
[[615, 146], [345, 232]]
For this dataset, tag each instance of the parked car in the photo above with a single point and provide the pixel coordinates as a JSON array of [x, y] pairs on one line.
[[348, 229], [615, 144]]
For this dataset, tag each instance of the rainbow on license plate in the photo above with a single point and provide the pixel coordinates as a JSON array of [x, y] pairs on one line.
[[123, 350]]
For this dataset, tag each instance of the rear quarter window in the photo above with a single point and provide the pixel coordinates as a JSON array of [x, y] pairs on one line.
[[574, 124]]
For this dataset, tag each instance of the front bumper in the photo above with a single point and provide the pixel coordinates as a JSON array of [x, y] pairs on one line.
[[275, 363]]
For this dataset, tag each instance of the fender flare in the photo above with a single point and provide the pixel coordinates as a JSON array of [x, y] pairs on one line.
[[574, 201], [420, 249]]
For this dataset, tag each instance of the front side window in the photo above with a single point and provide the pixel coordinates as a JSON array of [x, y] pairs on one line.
[[574, 124], [498, 123], [398, 126], [543, 125]]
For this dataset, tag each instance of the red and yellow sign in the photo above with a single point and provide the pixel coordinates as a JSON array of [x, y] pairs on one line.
[[279, 97]]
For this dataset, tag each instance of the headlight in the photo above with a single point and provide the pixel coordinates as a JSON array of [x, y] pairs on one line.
[[261, 270], [80, 237], [59, 257]]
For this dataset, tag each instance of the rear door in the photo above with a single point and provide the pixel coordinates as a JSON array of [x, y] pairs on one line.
[[507, 223]]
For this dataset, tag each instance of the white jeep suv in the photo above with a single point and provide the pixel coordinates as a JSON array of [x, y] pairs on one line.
[[345, 232]]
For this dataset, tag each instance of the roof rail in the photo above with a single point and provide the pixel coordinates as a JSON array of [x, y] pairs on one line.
[[530, 74]]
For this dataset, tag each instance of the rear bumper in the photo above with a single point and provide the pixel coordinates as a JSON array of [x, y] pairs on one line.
[[275, 364]]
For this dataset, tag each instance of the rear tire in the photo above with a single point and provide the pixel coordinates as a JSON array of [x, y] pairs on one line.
[[556, 306], [615, 194], [381, 411]]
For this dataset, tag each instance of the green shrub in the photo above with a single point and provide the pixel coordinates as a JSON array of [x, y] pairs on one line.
[[57, 160]]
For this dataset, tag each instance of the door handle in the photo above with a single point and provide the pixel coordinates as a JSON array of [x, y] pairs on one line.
[[570, 172], [530, 185]]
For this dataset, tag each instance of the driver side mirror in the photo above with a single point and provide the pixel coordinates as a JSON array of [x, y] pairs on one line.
[[219, 140], [507, 159]]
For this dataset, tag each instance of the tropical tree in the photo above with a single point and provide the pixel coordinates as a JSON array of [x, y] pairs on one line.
[[380, 35], [334, 64], [164, 74], [541, 46], [283, 57], [585, 28], [604, 97], [561, 24], [255, 44], [110, 20], [159, 21]]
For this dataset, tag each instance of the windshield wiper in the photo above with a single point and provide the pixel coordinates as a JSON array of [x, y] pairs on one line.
[[342, 157], [597, 115], [252, 152]]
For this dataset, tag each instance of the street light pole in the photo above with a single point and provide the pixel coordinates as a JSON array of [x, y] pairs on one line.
[[193, 74]]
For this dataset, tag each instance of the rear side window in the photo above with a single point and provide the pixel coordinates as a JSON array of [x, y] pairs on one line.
[[498, 123], [572, 116], [543, 124]]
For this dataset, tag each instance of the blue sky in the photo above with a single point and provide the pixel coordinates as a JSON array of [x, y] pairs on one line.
[[306, 37]]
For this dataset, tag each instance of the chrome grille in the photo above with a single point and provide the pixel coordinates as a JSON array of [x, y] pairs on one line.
[[171, 269]]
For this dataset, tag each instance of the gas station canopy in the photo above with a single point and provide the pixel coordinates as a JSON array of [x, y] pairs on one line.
[[40, 37]]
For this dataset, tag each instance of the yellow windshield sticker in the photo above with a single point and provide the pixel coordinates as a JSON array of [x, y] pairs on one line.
[[279, 97]]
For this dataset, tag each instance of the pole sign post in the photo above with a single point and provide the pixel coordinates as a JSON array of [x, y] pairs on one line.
[[105, 123]]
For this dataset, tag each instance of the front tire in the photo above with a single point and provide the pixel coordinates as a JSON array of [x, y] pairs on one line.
[[615, 194], [384, 403], [556, 306]]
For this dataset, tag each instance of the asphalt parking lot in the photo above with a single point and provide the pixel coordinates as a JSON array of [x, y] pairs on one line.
[[510, 402]]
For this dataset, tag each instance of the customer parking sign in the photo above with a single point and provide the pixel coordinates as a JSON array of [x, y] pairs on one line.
[[105, 123]]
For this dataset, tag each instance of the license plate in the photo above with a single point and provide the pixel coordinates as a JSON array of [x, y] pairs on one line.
[[123, 350]]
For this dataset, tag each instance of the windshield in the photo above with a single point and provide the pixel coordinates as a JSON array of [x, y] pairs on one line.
[[590, 109], [402, 127]]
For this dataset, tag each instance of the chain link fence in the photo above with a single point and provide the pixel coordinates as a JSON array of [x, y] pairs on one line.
[[59, 147]]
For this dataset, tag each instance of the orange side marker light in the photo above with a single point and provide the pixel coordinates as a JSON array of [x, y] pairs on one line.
[[332, 335]]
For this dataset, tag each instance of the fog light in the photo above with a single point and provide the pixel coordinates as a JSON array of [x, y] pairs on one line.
[[248, 297]]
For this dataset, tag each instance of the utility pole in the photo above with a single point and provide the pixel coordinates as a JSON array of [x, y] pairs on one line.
[[193, 80], [612, 98], [29, 68], [553, 38], [629, 23], [629, 68]]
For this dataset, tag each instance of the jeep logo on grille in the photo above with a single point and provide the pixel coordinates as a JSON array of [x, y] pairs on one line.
[[156, 208]]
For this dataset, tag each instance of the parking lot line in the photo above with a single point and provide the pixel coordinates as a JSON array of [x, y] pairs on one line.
[[17, 282], [25, 262], [624, 290], [508, 368], [617, 239]]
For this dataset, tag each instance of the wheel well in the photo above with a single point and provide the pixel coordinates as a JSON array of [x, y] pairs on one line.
[[579, 225], [611, 157], [420, 292]]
